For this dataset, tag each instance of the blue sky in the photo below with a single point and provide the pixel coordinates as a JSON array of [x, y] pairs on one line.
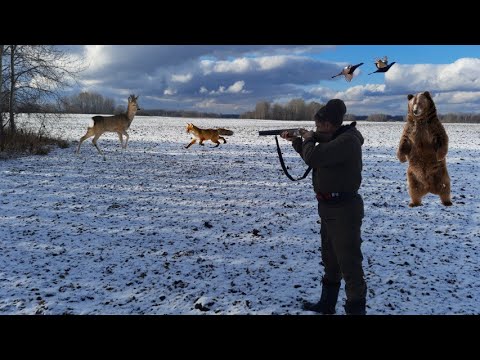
[[233, 78]]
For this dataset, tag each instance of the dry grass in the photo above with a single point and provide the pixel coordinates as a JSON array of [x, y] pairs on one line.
[[24, 142]]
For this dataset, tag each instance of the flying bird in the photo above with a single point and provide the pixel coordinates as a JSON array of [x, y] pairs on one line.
[[382, 65], [348, 72]]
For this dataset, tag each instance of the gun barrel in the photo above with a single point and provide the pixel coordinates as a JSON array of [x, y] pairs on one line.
[[278, 132]]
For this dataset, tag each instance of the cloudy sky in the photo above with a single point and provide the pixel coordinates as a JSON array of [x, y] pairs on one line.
[[233, 78]]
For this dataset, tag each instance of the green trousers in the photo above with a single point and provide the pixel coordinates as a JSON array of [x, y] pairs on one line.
[[341, 241]]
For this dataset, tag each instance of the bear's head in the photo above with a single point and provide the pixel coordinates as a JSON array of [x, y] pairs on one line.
[[420, 105]]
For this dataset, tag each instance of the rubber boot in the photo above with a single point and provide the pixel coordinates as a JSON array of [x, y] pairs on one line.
[[355, 307], [328, 299]]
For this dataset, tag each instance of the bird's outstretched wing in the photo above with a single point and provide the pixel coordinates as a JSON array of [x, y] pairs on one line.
[[383, 69], [389, 66], [354, 67]]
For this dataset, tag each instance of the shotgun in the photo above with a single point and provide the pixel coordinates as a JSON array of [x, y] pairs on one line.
[[292, 132]]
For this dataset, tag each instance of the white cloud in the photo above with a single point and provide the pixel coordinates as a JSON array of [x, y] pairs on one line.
[[240, 65], [97, 56], [457, 97], [323, 93], [209, 103], [244, 65], [169, 91], [236, 88], [91, 82], [360, 91], [184, 78], [272, 62], [463, 74]]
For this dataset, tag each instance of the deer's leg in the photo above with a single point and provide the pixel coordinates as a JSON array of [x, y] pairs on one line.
[[126, 139], [94, 142], [89, 133], [120, 137]]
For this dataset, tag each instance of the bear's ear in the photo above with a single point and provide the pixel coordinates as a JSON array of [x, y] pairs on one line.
[[427, 94], [409, 96]]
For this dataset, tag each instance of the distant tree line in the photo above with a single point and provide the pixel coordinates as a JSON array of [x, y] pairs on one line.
[[185, 114], [461, 118], [87, 103], [297, 109]]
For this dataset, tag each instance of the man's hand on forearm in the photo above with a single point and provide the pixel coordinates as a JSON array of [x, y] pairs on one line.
[[287, 136]]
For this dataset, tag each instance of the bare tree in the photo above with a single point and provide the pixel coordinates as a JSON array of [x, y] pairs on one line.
[[13, 49], [296, 109], [312, 109], [36, 75], [278, 112], [262, 110]]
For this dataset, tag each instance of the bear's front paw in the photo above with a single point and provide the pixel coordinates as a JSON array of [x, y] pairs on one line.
[[441, 155], [402, 157], [405, 147]]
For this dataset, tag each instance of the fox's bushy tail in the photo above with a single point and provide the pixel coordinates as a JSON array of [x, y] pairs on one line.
[[222, 131]]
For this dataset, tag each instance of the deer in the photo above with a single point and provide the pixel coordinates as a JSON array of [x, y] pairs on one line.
[[116, 123]]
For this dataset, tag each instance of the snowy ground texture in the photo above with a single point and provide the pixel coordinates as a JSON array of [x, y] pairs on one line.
[[160, 229]]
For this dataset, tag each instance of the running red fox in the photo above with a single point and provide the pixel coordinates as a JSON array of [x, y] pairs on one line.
[[206, 134]]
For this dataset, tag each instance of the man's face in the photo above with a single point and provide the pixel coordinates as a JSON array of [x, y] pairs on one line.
[[325, 127]]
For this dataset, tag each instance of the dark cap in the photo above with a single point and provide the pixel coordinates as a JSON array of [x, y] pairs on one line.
[[332, 112]]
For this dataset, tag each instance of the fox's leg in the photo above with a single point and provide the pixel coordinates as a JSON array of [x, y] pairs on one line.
[[224, 141], [201, 142], [216, 142], [191, 143]]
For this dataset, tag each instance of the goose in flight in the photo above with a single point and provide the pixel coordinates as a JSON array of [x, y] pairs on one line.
[[347, 71], [382, 66]]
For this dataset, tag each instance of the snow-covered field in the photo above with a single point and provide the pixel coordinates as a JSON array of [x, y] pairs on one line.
[[160, 229]]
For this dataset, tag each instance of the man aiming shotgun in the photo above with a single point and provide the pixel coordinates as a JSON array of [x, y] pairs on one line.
[[335, 154]]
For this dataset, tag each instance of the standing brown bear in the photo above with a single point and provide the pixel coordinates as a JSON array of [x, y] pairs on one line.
[[424, 143]]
